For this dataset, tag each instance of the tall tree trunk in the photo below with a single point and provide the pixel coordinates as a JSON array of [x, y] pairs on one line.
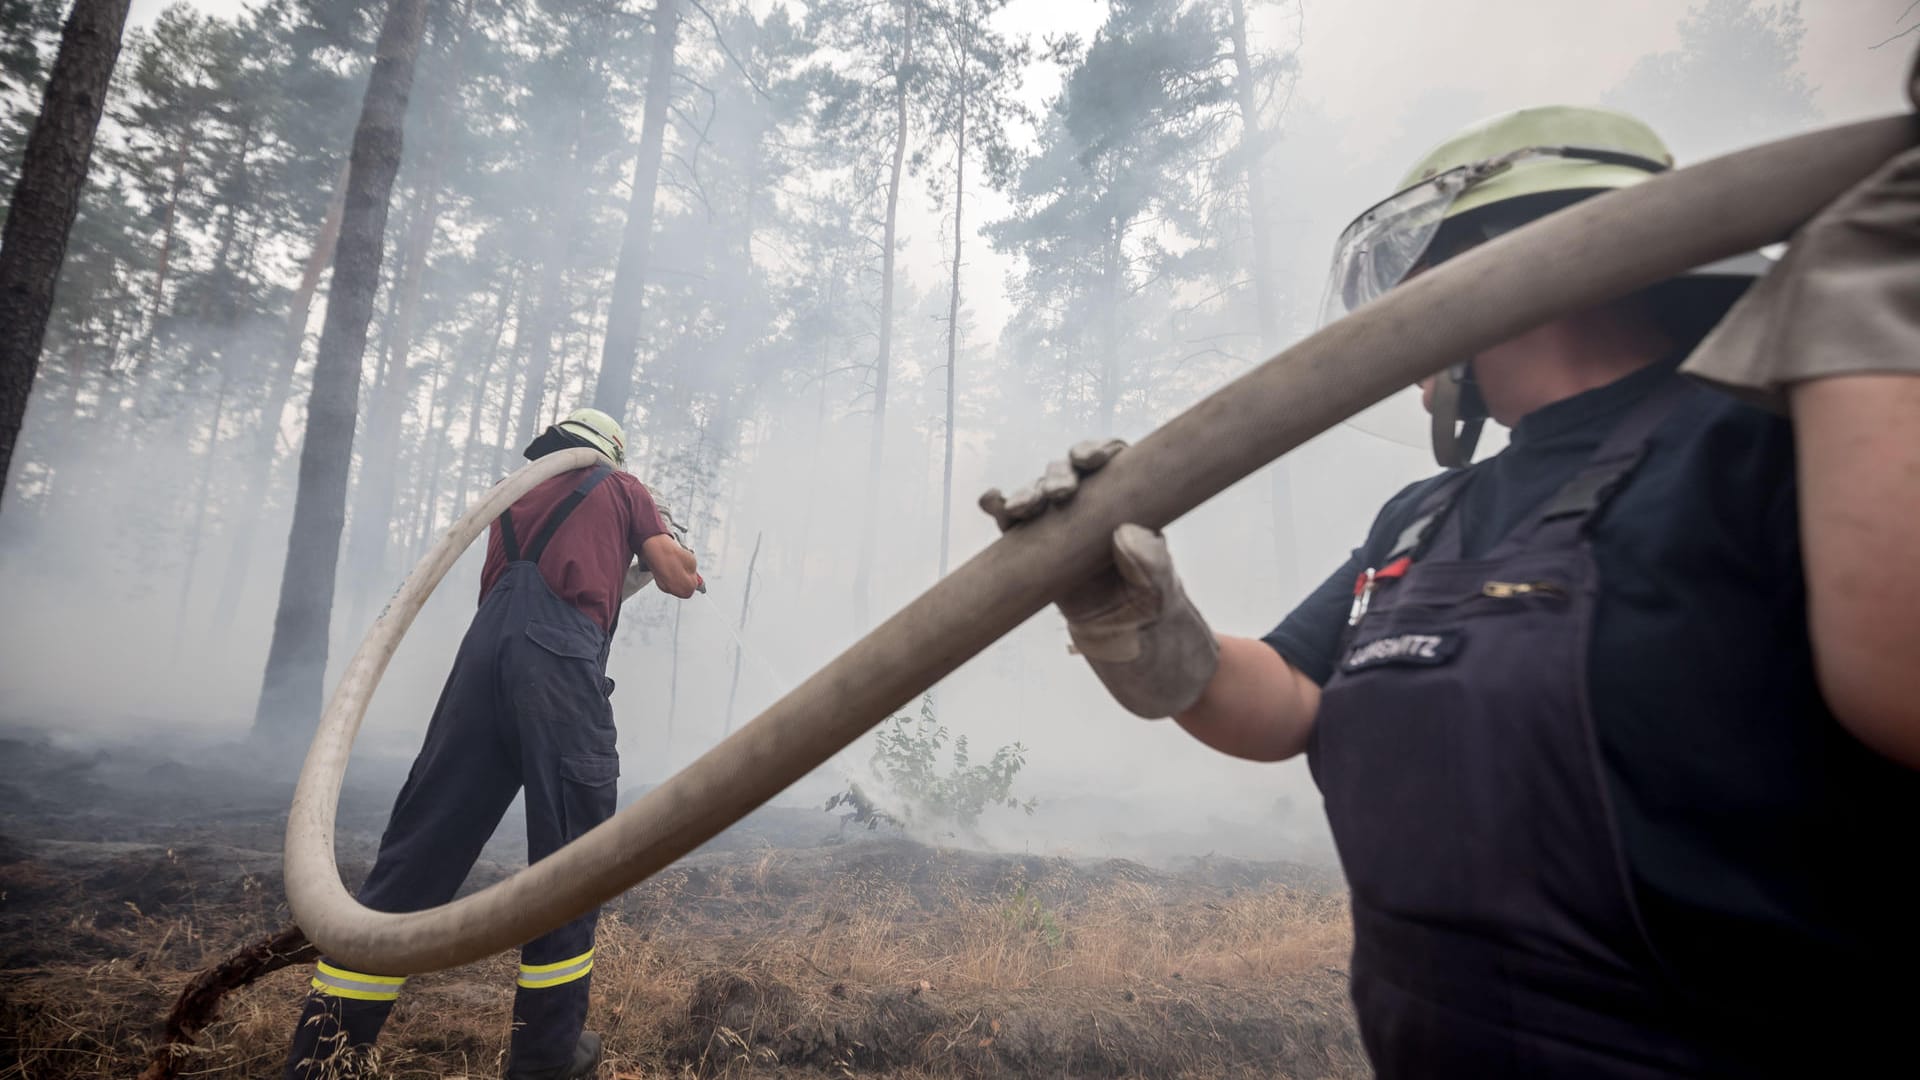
[[439, 421], [1110, 330], [622, 347], [370, 532], [537, 334], [1253, 152], [202, 497], [53, 171], [953, 317], [1266, 289], [266, 437], [464, 469], [869, 528], [371, 535], [297, 659], [522, 318], [746, 605], [165, 264]]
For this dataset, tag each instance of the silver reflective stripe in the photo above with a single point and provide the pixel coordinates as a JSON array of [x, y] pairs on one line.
[[340, 982], [541, 976]]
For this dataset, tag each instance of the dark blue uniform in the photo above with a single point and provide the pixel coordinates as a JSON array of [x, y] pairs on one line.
[[1596, 816], [526, 705]]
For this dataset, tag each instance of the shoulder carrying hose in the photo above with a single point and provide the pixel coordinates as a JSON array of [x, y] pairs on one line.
[[1603, 248]]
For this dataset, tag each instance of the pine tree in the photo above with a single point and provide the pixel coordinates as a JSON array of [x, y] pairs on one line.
[[53, 170], [297, 659]]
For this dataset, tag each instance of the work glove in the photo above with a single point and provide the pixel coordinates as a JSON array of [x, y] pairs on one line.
[[1133, 621], [678, 530]]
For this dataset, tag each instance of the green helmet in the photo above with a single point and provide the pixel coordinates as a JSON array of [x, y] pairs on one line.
[[1526, 163], [1598, 150], [1495, 176]]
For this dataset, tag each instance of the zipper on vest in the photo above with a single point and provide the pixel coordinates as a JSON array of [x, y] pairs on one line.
[[1508, 590]]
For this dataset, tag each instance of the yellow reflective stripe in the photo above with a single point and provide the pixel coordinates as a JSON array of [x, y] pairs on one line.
[[541, 976], [339, 982]]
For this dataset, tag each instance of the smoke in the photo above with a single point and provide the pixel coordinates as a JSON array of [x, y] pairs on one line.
[[122, 525]]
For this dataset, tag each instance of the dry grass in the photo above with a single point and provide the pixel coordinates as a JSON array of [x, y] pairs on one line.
[[893, 960]]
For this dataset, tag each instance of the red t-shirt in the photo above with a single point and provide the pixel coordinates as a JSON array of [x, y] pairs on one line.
[[586, 561]]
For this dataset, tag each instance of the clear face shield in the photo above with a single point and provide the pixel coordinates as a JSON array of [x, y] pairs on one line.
[[1388, 242], [1396, 238]]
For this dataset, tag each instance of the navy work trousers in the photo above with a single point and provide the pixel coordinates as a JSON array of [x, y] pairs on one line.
[[525, 706]]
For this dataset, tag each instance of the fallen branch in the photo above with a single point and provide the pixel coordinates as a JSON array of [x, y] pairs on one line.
[[199, 1004]]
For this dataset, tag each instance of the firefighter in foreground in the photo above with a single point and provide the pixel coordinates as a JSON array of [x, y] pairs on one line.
[[1618, 730], [526, 705]]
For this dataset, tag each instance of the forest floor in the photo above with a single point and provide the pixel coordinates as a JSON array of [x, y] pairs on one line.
[[785, 948]]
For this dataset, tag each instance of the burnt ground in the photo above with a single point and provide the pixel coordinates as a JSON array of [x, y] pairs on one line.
[[786, 947]]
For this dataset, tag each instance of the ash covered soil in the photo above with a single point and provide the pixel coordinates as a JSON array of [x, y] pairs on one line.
[[786, 947]]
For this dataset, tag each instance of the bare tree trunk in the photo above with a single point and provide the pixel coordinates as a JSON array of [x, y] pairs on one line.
[[202, 496], [869, 527], [297, 659], [1266, 288], [1110, 331], [1253, 151], [953, 318], [371, 535], [622, 347], [279, 389], [53, 171], [165, 264], [480, 381], [439, 422], [521, 320], [746, 604], [537, 334]]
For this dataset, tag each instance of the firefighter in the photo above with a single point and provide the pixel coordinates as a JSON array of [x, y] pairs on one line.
[[526, 706], [1618, 729]]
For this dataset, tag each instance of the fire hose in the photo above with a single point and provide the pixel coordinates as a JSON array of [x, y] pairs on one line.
[[1600, 249]]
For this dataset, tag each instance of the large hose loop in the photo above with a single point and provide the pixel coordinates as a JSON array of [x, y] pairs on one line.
[[1597, 250]]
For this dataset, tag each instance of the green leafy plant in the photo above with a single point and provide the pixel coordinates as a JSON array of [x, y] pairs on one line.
[[1025, 914], [934, 777]]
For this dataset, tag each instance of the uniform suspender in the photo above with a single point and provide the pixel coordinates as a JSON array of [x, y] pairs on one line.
[[554, 519]]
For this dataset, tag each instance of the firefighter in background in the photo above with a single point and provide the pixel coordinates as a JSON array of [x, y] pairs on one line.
[[1618, 730], [526, 706]]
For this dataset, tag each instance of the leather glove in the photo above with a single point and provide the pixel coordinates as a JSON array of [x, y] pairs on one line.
[[1133, 621], [678, 530], [639, 574]]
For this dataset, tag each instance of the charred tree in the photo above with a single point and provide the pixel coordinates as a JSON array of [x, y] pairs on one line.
[[621, 349], [46, 199], [297, 659]]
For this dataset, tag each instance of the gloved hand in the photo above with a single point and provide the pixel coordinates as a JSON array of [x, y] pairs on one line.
[[639, 575], [678, 530], [1133, 621]]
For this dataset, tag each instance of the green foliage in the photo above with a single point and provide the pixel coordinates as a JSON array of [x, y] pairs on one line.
[[1025, 914], [938, 785], [1734, 80], [1129, 215]]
